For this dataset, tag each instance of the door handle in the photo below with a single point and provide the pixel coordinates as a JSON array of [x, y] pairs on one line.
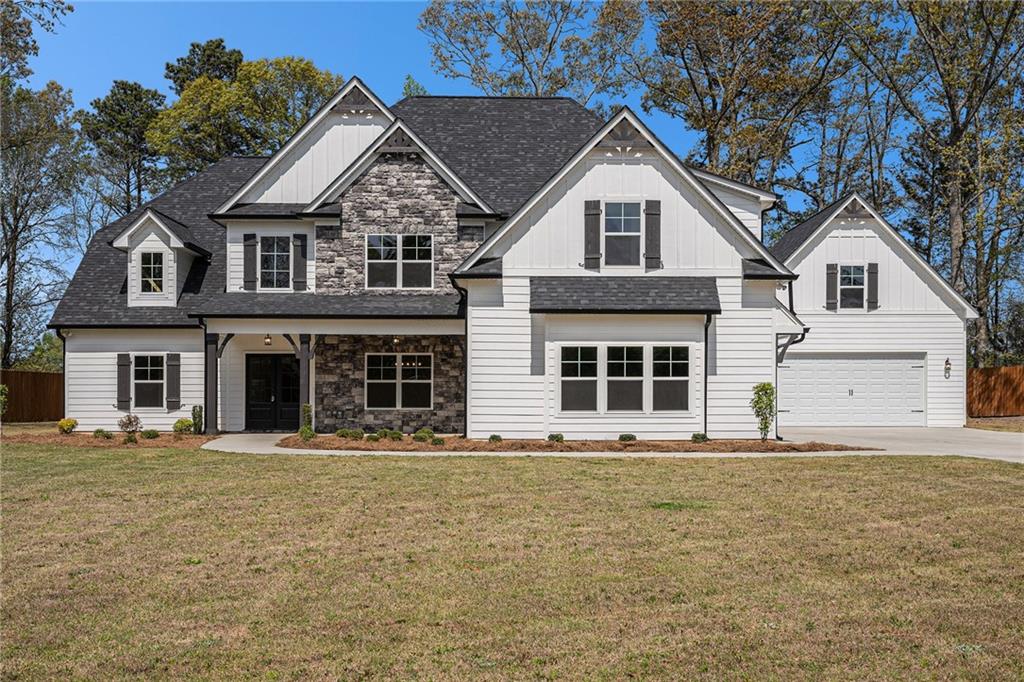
[[273, 398]]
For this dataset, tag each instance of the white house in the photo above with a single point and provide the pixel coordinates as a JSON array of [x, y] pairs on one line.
[[491, 265]]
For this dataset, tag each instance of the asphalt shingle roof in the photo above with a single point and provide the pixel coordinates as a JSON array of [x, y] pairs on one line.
[[504, 148], [758, 268], [671, 295], [786, 245], [251, 304]]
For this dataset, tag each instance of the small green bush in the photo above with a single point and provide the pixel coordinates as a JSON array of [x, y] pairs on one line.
[[130, 423], [129, 438], [183, 425], [420, 437], [556, 437], [437, 440], [150, 434], [372, 437], [102, 433], [763, 406], [699, 438], [67, 425], [627, 437], [425, 431], [353, 434], [306, 432], [3, 399], [395, 435], [383, 433], [494, 438], [197, 419], [307, 414]]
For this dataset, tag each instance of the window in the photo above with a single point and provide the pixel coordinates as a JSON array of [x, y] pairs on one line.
[[670, 368], [149, 381], [579, 378], [621, 233], [390, 266], [151, 271], [399, 381], [851, 286], [625, 378], [275, 262]]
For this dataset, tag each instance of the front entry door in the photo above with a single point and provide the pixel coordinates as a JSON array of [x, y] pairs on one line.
[[271, 393]]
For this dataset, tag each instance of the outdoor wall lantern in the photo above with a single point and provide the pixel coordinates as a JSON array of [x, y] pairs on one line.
[[267, 341], [947, 367]]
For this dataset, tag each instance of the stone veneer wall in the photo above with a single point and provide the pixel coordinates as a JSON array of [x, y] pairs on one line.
[[398, 194], [340, 373]]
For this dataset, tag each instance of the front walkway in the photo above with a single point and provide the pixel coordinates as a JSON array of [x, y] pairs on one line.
[[966, 442]]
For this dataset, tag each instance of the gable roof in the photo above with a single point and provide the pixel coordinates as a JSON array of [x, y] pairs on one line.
[[805, 232], [352, 84], [503, 147], [181, 236], [625, 114]]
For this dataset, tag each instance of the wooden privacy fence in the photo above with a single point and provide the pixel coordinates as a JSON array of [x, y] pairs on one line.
[[33, 396], [995, 391]]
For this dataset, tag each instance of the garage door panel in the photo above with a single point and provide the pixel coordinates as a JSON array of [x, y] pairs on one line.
[[851, 390]]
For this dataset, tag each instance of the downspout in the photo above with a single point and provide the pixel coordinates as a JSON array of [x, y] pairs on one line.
[[464, 304], [707, 323], [206, 384], [63, 368]]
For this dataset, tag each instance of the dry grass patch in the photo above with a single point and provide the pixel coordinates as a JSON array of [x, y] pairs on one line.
[[183, 563], [1011, 424], [88, 440]]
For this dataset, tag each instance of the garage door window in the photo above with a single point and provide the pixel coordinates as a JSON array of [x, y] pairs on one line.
[[851, 286]]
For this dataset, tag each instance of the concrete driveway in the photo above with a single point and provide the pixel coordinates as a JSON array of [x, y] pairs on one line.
[[919, 441]]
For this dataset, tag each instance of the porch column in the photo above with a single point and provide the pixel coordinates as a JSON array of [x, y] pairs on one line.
[[210, 394], [303, 369]]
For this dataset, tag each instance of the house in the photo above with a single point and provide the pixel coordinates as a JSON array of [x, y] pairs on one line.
[[498, 265]]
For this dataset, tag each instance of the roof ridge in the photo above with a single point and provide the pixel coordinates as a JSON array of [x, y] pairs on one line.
[[535, 97]]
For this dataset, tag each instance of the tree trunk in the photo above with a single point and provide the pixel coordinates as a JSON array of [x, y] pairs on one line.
[[7, 358], [956, 230]]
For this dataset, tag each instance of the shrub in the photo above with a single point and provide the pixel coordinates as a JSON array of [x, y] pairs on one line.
[[556, 437], [425, 431], [699, 438], [494, 438], [395, 435], [102, 433], [354, 434], [197, 419], [307, 415], [150, 434], [130, 423], [383, 433], [437, 440], [420, 437], [183, 425], [129, 438], [306, 432], [372, 437], [627, 437], [3, 399], [763, 405], [67, 425]]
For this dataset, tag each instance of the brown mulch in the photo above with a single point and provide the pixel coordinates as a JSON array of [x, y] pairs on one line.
[[87, 440], [457, 444]]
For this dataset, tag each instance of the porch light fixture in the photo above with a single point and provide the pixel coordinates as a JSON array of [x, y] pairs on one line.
[[395, 340], [267, 340], [947, 368]]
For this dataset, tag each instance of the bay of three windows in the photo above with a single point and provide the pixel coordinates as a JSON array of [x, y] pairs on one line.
[[637, 378]]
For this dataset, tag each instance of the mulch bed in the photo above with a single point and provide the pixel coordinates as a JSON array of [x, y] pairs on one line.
[[87, 440], [457, 444]]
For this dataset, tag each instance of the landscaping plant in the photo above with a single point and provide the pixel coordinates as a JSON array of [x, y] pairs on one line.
[[494, 438], [197, 419], [102, 433], [306, 432], [183, 425], [3, 399], [699, 437], [556, 437], [627, 437], [130, 424], [763, 405], [307, 415], [150, 434], [67, 425]]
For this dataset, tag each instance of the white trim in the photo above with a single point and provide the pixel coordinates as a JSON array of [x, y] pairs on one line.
[[259, 263], [625, 114], [122, 240], [768, 198], [163, 384], [363, 161], [397, 382], [399, 260], [162, 294], [795, 257], [301, 133], [863, 287]]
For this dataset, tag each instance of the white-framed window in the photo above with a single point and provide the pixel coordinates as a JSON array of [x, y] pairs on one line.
[[148, 380], [151, 272], [625, 369], [399, 261], [275, 262], [402, 381], [670, 378], [579, 378], [622, 233], [852, 286]]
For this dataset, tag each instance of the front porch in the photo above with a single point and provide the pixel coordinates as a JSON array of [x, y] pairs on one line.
[[354, 374]]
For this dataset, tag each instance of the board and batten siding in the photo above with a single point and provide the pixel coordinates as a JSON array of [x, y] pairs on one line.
[[318, 159], [744, 206], [152, 239], [236, 231], [90, 373]]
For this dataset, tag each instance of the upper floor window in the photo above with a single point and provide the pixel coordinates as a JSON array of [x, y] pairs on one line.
[[399, 261], [275, 262], [851, 286], [151, 272], [622, 233]]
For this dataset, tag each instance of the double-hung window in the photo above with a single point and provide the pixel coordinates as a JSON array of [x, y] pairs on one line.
[[625, 378], [579, 378], [851, 286], [399, 381], [151, 272], [670, 369], [399, 261], [275, 262], [622, 233], [149, 381]]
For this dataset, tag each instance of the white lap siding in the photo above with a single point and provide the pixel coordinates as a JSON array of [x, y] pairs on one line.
[[90, 374]]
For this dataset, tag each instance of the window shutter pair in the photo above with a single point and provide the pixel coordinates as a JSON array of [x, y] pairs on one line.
[[172, 379], [832, 286], [250, 267], [592, 235]]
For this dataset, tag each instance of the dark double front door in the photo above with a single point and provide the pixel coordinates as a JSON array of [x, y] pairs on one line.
[[271, 392]]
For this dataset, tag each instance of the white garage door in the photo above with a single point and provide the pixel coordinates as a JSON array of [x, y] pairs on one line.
[[851, 390]]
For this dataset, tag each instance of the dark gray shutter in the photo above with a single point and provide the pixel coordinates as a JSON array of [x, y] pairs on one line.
[[652, 234], [592, 235], [831, 286], [299, 262], [124, 381], [249, 262], [173, 379], [872, 286]]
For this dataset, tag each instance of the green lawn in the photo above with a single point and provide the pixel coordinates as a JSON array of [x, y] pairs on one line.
[[171, 563]]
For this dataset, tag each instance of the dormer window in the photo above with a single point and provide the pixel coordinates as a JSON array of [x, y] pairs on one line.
[[622, 233], [151, 272]]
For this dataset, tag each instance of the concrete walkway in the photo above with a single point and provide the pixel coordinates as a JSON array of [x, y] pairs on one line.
[[967, 442]]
